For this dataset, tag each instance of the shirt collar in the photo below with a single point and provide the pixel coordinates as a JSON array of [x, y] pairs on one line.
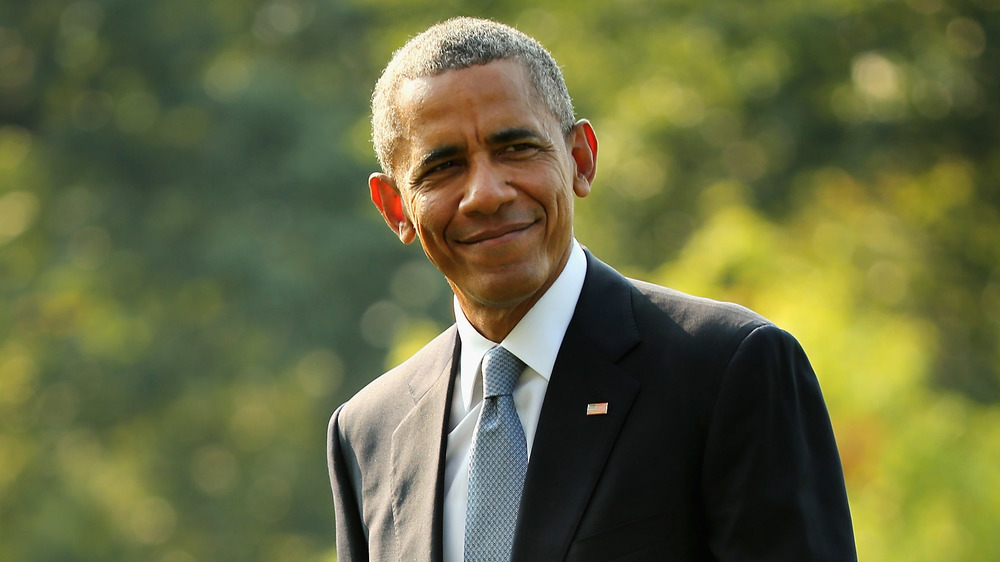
[[537, 337]]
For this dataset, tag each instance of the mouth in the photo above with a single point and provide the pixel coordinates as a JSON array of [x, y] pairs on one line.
[[497, 234]]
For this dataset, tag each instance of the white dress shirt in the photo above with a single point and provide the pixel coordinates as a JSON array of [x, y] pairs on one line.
[[535, 340]]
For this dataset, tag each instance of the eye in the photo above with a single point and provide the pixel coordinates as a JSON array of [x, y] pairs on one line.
[[441, 167], [520, 150], [519, 147], [436, 172]]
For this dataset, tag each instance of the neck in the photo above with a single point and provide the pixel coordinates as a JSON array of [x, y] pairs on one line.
[[494, 321]]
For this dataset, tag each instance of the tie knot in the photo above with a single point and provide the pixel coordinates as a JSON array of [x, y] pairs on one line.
[[501, 369]]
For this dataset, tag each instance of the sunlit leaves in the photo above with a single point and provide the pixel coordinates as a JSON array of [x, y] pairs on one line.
[[192, 276]]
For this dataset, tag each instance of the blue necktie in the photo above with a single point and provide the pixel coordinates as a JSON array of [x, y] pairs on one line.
[[497, 464]]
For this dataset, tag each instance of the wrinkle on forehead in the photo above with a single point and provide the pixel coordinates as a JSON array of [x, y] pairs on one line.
[[435, 102], [415, 93]]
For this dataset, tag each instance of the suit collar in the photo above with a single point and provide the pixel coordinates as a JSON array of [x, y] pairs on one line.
[[570, 447], [604, 312], [418, 477], [536, 338]]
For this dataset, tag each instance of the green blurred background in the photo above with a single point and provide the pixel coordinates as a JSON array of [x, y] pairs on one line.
[[192, 276]]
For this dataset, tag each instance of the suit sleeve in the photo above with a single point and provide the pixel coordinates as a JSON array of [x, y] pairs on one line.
[[773, 483], [352, 542]]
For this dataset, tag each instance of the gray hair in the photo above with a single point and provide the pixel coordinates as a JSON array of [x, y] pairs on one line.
[[453, 45]]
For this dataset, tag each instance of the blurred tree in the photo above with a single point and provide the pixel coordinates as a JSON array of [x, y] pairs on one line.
[[192, 278], [185, 266]]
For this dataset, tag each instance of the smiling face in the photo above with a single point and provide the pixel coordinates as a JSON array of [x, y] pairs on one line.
[[485, 178]]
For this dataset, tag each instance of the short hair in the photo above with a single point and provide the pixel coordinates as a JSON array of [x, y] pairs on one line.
[[453, 45]]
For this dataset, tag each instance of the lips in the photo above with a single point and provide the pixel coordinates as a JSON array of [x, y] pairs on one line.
[[495, 232]]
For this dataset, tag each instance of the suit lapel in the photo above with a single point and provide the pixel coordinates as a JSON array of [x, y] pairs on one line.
[[570, 448], [418, 452]]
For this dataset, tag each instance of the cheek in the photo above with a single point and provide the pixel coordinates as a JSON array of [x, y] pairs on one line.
[[561, 200], [416, 209], [429, 216]]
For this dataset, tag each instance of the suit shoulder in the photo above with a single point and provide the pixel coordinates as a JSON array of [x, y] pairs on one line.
[[392, 394], [698, 315]]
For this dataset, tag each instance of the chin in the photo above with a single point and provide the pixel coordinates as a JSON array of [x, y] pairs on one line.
[[508, 292]]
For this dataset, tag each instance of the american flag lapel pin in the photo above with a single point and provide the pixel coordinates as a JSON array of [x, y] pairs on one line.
[[597, 409]]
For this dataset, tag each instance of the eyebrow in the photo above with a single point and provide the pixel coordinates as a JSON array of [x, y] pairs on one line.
[[500, 137], [516, 133], [438, 154]]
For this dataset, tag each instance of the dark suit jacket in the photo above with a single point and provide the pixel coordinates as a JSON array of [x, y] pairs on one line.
[[716, 445]]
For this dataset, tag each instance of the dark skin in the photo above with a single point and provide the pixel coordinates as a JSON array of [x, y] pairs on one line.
[[486, 180]]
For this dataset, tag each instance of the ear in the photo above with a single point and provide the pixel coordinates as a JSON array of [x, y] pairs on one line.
[[386, 197], [583, 148]]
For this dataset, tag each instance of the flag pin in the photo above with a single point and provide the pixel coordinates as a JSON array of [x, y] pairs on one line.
[[597, 409]]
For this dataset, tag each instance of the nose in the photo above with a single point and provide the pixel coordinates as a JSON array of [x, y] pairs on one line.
[[487, 189]]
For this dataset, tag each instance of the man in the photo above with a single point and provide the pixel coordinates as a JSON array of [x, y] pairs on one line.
[[643, 424]]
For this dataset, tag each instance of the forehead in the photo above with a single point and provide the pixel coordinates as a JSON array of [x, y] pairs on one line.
[[471, 103], [497, 77]]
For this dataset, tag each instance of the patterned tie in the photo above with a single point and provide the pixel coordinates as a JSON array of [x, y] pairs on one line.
[[498, 461]]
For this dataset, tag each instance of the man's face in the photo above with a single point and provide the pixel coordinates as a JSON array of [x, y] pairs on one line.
[[485, 178]]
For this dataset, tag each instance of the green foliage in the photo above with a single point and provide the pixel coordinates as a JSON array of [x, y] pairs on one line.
[[192, 277]]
